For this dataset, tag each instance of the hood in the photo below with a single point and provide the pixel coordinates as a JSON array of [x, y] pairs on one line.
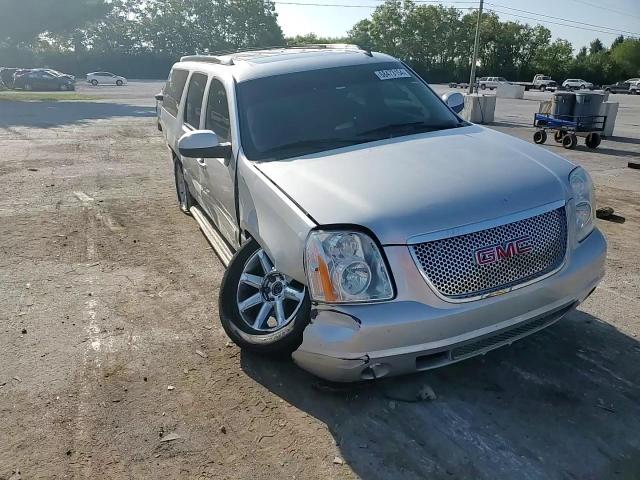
[[423, 183]]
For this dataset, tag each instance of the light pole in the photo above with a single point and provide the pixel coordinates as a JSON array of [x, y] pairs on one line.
[[472, 79]]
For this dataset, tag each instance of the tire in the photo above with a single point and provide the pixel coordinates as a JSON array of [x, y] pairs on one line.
[[607, 90], [543, 88], [253, 329], [559, 135], [569, 141], [583, 87], [94, 82], [593, 140], [185, 199], [483, 86], [119, 83], [540, 137]]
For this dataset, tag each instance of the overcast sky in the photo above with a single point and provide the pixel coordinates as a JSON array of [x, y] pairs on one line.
[[619, 15]]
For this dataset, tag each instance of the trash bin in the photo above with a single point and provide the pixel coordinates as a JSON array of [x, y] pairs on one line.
[[588, 106], [562, 104]]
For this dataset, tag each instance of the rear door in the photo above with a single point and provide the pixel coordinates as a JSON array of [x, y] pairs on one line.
[[192, 120], [218, 174]]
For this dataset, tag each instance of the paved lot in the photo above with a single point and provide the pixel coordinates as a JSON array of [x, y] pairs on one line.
[[107, 291]]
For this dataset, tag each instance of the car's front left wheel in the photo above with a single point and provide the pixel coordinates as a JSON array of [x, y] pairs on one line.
[[185, 199], [262, 309]]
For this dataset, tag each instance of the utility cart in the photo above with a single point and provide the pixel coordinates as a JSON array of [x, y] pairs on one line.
[[569, 119], [567, 129]]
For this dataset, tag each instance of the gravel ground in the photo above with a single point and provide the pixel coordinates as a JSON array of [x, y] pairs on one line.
[[114, 364]]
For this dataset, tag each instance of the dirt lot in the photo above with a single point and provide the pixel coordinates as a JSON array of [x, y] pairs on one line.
[[108, 292]]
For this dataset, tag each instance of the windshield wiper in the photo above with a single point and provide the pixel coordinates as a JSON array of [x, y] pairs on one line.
[[312, 145], [414, 127]]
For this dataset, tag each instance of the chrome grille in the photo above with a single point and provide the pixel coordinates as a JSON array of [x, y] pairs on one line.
[[450, 264]]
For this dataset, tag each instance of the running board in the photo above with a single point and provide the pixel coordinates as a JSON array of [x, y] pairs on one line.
[[218, 243]]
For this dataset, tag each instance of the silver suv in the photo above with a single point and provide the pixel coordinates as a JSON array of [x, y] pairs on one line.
[[366, 228]]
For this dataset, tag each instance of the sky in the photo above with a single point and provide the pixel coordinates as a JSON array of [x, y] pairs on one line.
[[614, 16]]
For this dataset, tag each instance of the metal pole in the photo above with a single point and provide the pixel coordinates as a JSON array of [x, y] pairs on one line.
[[472, 79]]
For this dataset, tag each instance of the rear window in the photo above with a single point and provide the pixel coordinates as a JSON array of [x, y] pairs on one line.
[[173, 90]]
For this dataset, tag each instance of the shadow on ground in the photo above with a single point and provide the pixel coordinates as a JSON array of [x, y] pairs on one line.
[[58, 114], [563, 403]]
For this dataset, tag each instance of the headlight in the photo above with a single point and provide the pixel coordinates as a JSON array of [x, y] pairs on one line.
[[345, 267], [585, 201]]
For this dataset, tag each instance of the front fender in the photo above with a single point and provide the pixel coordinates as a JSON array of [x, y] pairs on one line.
[[278, 224]]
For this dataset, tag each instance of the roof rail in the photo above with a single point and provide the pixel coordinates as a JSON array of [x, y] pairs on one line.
[[224, 57], [335, 46], [208, 59]]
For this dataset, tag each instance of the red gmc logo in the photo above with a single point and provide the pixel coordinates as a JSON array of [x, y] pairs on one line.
[[509, 249]]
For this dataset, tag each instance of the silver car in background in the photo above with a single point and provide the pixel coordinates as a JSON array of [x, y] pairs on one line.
[[368, 230]]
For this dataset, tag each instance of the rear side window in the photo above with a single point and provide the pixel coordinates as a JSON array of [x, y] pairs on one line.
[[195, 94], [173, 90], [217, 118]]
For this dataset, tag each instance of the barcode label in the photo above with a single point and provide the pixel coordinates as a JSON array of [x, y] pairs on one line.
[[393, 73]]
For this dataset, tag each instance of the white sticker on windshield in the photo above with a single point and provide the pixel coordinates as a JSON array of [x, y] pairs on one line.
[[393, 73]]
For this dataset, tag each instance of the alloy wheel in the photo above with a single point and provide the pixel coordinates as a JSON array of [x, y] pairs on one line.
[[267, 299]]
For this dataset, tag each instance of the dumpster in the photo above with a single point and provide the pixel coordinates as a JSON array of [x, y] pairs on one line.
[[563, 104]]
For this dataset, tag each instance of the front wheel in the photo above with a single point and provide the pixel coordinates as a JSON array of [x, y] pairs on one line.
[[540, 137], [262, 309], [119, 83], [483, 86], [185, 199]]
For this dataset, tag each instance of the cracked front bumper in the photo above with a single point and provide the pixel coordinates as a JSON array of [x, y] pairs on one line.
[[419, 331]]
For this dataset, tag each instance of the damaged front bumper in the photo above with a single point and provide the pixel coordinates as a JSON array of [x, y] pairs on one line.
[[419, 331]]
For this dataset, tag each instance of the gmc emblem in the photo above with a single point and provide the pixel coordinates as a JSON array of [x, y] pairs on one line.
[[508, 249]]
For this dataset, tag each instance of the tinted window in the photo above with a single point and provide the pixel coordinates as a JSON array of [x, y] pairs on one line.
[[173, 90], [195, 94], [218, 111], [305, 112]]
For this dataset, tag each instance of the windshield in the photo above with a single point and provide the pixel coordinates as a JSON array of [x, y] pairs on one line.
[[307, 112]]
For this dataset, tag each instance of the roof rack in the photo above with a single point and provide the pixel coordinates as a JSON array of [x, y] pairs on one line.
[[225, 57], [208, 59], [334, 46]]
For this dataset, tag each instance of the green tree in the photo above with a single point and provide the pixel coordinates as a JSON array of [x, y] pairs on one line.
[[596, 46], [555, 59], [23, 21], [187, 26], [627, 56]]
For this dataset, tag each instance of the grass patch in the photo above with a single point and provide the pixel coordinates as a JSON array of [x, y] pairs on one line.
[[20, 96]]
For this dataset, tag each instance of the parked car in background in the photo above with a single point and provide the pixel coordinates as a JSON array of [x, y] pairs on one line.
[[540, 82], [577, 83], [105, 78], [491, 82], [359, 246], [634, 86], [42, 79], [6, 75], [618, 87], [57, 73]]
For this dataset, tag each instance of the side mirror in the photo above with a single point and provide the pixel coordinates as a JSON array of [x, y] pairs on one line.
[[203, 144], [455, 101], [159, 96]]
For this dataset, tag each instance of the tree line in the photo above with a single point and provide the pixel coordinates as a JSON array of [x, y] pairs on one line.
[[142, 38]]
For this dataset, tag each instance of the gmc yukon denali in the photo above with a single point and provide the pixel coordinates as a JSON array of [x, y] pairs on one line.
[[366, 229]]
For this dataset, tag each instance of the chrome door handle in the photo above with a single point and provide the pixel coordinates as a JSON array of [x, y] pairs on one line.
[[201, 162]]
